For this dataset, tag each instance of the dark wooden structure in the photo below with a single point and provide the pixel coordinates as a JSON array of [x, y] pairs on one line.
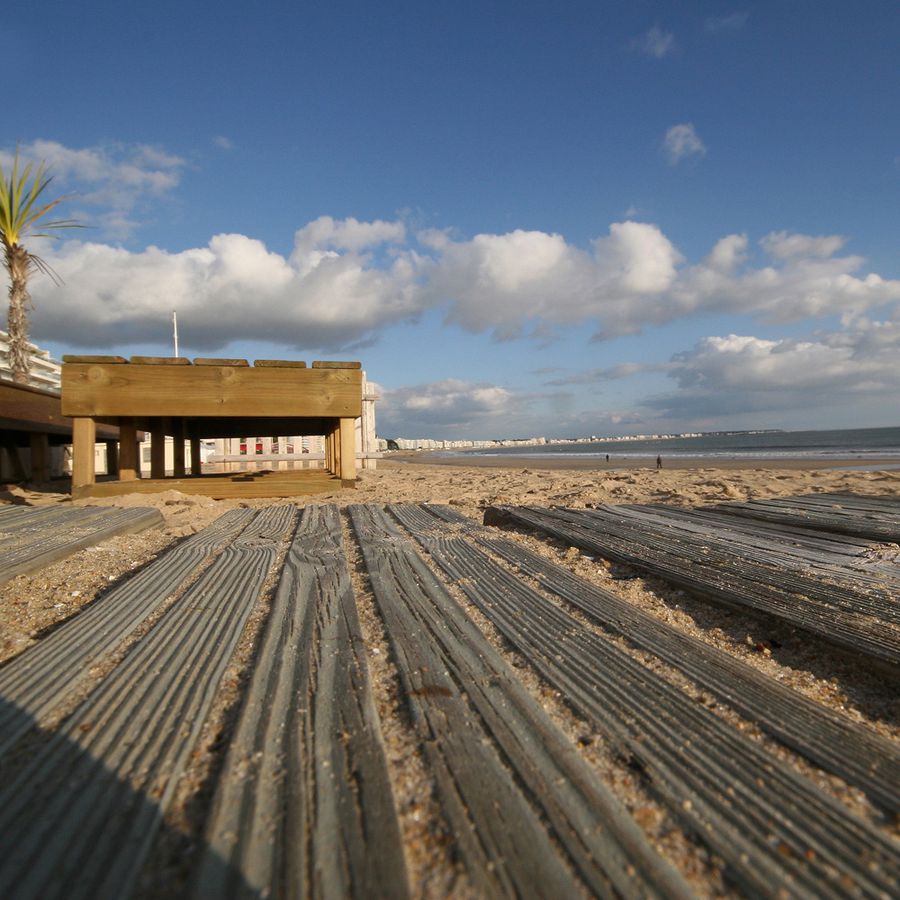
[[32, 418]]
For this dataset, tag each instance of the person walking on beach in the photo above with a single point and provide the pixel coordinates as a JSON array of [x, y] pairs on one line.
[[658, 462]]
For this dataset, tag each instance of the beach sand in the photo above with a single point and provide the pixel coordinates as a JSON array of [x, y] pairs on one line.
[[31, 605]]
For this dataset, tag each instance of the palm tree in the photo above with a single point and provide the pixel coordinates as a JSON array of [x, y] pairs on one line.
[[20, 209]]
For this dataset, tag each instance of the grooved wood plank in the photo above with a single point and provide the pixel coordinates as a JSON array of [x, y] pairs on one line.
[[875, 518], [36, 681], [775, 830], [30, 549], [856, 754], [186, 390], [112, 768], [335, 364], [304, 806], [835, 612], [517, 795]]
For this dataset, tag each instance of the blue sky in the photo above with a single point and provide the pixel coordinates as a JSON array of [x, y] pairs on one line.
[[524, 218]]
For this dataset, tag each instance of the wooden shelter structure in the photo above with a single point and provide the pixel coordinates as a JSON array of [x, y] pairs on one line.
[[31, 418], [210, 398]]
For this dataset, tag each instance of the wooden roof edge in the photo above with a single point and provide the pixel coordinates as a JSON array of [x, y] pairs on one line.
[[160, 361]]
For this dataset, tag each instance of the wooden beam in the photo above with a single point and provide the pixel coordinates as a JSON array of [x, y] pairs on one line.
[[210, 391], [178, 468], [158, 450], [196, 459], [347, 437], [206, 361], [129, 464], [40, 457], [280, 363], [112, 458], [335, 364], [84, 435]]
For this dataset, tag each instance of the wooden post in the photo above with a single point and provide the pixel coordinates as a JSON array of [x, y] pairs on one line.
[[178, 448], [40, 456], [84, 434], [157, 449], [112, 458], [347, 432], [129, 464], [196, 460], [329, 461]]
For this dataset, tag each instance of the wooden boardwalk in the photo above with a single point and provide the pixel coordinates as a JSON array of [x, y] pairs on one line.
[[33, 537], [303, 802]]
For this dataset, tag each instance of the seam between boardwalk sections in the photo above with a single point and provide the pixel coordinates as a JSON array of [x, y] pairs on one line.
[[304, 807], [854, 753], [115, 763], [774, 828]]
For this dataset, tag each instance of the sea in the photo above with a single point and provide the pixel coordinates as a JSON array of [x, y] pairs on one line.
[[846, 443]]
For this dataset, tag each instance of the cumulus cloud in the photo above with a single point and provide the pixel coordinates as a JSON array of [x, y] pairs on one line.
[[682, 142], [735, 374], [346, 280], [656, 43], [234, 288], [110, 179]]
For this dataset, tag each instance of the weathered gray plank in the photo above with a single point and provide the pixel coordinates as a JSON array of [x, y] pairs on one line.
[[836, 612], [856, 754], [304, 807], [875, 518], [511, 786], [775, 830], [39, 679], [79, 819], [58, 534]]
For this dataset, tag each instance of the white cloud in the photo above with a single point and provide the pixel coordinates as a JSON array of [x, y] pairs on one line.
[[234, 288], [347, 280], [736, 374], [682, 142], [733, 22], [782, 245], [222, 142], [656, 43], [598, 376], [113, 177], [422, 409]]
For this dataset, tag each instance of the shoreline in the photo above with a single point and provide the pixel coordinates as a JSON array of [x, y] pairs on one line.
[[579, 463]]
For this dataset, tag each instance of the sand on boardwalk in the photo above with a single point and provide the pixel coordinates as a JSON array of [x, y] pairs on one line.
[[31, 605]]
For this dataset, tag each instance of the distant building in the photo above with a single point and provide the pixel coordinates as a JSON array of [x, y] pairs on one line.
[[45, 371]]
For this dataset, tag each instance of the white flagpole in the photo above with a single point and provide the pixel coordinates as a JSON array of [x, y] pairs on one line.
[[175, 330]]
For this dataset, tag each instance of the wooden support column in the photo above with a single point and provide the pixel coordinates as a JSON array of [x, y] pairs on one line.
[[347, 437], [40, 456], [129, 464], [178, 469], [329, 458], [196, 460], [112, 458], [157, 449], [84, 435]]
